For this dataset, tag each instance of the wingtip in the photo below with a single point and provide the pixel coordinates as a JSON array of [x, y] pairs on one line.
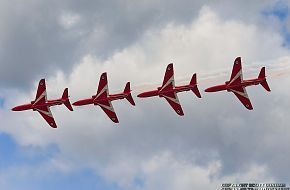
[[250, 107], [180, 112], [53, 126], [104, 75], [170, 66], [42, 81], [116, 121], [238, 60]]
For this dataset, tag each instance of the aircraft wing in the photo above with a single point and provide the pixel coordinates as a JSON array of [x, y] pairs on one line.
[[103, 90], [41, 95], [168, 81], [242, 95], [237, 74], [47, 115], [173, 100], [108, 108]]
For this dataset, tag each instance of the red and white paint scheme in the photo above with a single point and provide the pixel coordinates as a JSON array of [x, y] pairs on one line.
[[169, 91], [104, 99], [237, 84], [42, 105]]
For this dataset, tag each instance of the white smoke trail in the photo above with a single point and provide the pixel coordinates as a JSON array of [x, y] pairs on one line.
[[274, 68]]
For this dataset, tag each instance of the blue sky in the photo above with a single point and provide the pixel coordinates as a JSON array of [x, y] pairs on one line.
[[280, 10], [1, 102], [14, 156], [70, 43]]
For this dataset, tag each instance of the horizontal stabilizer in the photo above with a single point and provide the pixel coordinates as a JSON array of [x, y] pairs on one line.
[[193, 82], [129, 97], [262, 75], [196, 91], [266, 86], [66, 98]]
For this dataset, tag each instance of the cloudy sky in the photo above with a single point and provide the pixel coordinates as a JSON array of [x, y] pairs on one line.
[[70, 43]]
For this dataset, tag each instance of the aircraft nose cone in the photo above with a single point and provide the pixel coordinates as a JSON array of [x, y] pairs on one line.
[[15, 109], [140, 95], [77, 103], [211, 89], [207, 90]]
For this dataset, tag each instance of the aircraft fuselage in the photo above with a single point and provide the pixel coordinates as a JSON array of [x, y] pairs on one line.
[[93, 100], [158, 93], [227, 86], [30, 106]]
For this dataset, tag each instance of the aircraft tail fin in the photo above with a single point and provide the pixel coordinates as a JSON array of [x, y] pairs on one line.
[[262, 75], [129, 97], [66, 98], [193, 82]]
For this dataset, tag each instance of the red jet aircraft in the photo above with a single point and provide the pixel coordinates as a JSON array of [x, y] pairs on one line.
[[169, 91], [42, 105], [103, 98], [237, 84]]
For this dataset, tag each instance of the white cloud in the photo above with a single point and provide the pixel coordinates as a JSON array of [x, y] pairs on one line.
[[68, 20], [164, 171]]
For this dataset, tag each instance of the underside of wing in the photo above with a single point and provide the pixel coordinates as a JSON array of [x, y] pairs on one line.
[[47, 115], [173, 100], [108, 108], [103, 90], [168, 81], [242, 95], [41, 96], [237, 74]]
